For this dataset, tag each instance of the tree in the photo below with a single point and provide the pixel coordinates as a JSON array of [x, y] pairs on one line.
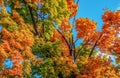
[[37, 37]]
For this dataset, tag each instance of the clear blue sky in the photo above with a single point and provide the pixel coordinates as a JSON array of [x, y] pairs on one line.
[[94, 9]]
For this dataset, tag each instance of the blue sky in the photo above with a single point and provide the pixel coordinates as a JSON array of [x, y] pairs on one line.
[[94, 9]]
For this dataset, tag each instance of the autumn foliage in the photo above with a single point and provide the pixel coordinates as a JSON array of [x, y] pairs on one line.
[[38, 39]]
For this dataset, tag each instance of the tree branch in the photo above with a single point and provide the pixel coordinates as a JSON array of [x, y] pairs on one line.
[[80, 50], [91, 52], [64, 39], [74, 50], [33, 20], [82, 47], [70, 45], [75, 15]]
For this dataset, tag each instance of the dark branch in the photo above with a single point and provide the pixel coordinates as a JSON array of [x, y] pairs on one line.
[[64, 39], [75, 15], [60, 75], [33, 20], [70, 45], [91, 52], [74, 50], [79, 51]]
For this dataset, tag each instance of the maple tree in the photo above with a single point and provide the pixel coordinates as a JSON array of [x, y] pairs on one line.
[[38, 39]]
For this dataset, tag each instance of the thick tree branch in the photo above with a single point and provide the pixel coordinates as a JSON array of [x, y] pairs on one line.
[[33, 19], [64, 39], [60, 75], [91, 52], [70, 45], [79, 51], [73, 50]]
